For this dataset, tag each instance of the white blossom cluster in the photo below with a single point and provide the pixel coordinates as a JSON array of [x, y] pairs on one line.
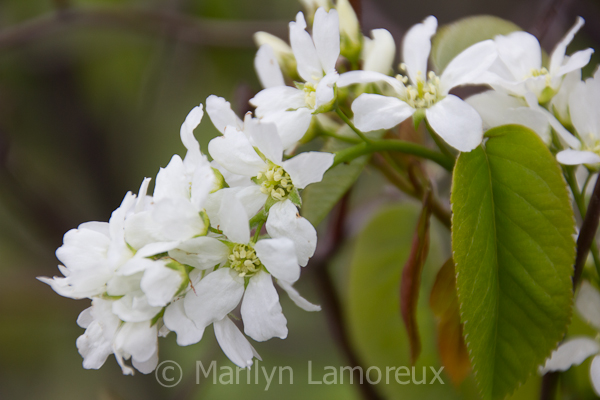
[[213, 235], [185, 257]]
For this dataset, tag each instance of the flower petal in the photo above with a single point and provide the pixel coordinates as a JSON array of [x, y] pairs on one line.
[[267, 68], [308, 167], [264, 136], [309, 65], [201, 252], [416, 48], [379, 52], [558, 54], [291, 125], [296, 298], [187, 132], [588, 304], [234, 220], [171, 181], [138, 339], [279, 257], [234, 344], [373, 111], [277, 98], [93, 346], [220, 113], [326, 36], [176, 320], [564, 134], [234, 152], [498, 108], [466, 67], [577, 157], [520, 52], [353, 77], [284, 221], [134, 308], [261, 311], [572, 352], [145, 367], [215, 296], [456, 122], [325, 92], [595, 374], [577, 61], [160, 283]]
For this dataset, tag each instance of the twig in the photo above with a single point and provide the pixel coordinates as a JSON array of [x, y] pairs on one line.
[[549, 385], [587, 233], [330, 300], [198, 31], [439, 211]]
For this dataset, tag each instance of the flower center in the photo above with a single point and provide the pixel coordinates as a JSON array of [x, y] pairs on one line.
[[243, 259], [538, 72], [424, 93], [275, 182], [310, 94], [592, 143]]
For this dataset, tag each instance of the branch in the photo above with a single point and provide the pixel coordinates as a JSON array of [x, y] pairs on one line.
[[587, 233], [197, 31], [400, 146]]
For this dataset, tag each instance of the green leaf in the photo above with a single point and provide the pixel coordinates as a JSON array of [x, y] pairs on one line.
[[318, 199], [373, 309], [450, 40], [513, 244]]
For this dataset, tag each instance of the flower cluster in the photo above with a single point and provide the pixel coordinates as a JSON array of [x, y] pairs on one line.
[[213, 235], [186, 257]]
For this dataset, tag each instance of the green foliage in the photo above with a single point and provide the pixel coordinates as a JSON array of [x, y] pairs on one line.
[[452, 39], [514, 250], [319, 198], [375, 323]]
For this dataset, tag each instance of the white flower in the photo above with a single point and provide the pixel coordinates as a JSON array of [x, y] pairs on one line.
[[277, 179], [105, 334], [92, 253], [291, 126], [583, 102], [452, 118], [316, 57], [575, 350], [249, 262], [498, 108], [519, 66], [173, 214]]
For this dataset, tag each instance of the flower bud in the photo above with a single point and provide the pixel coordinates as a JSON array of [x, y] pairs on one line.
[[350, 35], [311, 6], [379, 51], [283, 53]]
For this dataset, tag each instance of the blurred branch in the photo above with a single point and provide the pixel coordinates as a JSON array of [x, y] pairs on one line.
[[587, 233], [551, 12], [198, 31], [330, 299]]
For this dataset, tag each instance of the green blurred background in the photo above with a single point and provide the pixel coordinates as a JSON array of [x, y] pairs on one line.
[[92, 95]]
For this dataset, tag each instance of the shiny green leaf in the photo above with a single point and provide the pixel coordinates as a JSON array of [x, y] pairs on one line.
[[514, 249]]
